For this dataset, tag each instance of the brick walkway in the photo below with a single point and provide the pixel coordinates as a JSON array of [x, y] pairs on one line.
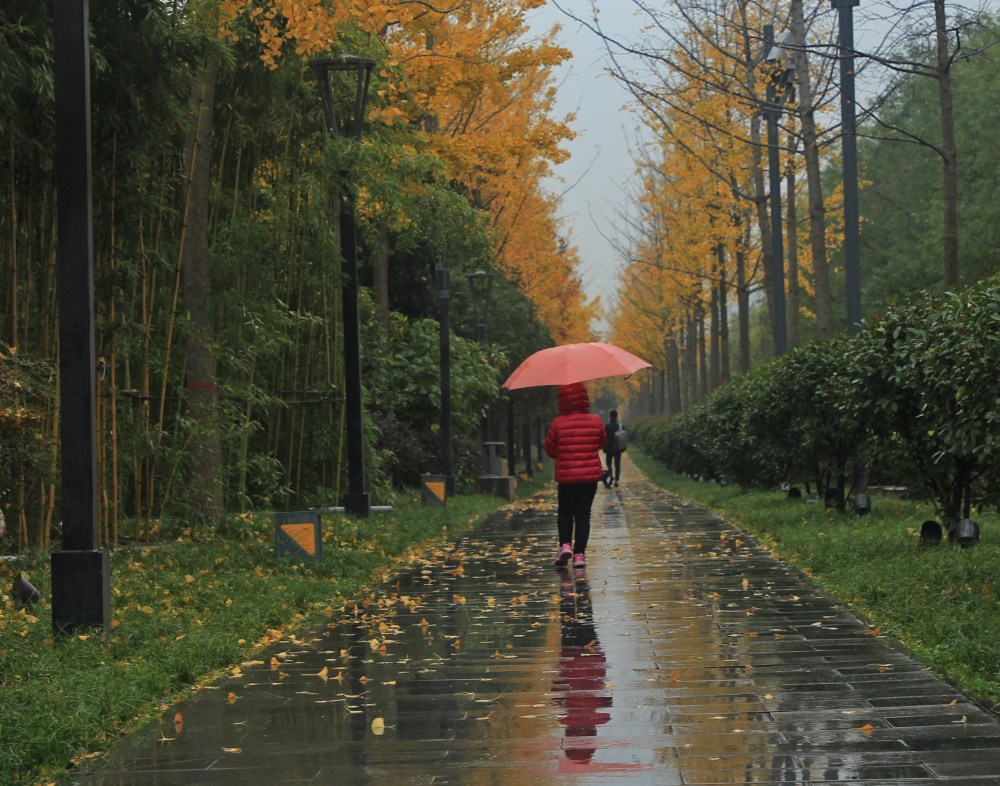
[[683, 654]]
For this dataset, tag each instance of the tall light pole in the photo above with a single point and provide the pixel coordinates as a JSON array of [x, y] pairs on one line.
[[480, 290], [356, 501], [778, 90], [80, 572], [849, 142], [442, 275]]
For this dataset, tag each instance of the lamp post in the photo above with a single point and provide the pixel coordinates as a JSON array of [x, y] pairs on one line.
[[849, 142], [356, 501], [480, 290], [80, 572], [777, 92], [442, 276]]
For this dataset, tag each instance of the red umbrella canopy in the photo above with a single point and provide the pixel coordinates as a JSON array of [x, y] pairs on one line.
[[574, 363]]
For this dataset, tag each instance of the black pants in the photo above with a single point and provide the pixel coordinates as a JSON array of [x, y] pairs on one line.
[[615, 456], [573, 515]]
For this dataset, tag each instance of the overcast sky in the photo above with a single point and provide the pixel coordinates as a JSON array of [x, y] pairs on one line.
[[593, 180]]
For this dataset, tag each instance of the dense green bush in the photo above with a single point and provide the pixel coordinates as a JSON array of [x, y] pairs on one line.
[[931, 375], [912, 400]]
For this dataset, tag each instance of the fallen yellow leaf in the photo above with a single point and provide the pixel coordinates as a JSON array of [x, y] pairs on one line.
[[378, 726]]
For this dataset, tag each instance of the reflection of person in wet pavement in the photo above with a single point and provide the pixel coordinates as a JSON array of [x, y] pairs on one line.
[[580, 687]]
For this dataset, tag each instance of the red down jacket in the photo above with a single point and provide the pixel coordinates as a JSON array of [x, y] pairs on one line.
[[576, 437]]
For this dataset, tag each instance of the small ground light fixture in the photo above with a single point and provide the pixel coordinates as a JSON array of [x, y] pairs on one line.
[[24, 592]]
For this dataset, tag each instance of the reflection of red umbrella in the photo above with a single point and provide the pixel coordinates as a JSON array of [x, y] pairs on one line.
[[574, 363]]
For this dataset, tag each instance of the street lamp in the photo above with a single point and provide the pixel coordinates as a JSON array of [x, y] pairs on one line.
[[480, 291], [356, 501], [442, 275], [480, 288], [849, 142], [80, 572], [779, 89]]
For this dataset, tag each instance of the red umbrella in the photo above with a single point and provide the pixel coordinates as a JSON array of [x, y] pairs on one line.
[[574, 363]]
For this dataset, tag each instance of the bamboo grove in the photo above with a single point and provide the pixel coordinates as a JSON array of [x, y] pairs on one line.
[[216, 258]]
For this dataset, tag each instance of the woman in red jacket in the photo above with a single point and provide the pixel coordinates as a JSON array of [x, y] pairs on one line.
[[575, 440]]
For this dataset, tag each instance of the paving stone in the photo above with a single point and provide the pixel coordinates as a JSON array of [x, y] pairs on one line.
[[683, 654]]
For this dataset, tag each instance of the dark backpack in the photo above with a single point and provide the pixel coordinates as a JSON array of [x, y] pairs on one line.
[[621, 439]]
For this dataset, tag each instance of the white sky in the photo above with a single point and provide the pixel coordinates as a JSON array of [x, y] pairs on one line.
[[593, 179]]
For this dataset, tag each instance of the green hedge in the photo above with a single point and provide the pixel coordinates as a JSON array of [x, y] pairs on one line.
[[912, 400]]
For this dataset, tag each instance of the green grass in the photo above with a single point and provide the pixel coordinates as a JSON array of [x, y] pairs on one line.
[[942, 603], [198, 602]]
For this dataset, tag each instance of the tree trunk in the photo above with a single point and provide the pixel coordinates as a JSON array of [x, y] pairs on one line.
[[949, 150], [723, 319], [743, 309], [205, 481], [793, 263], [814, 182], [699, 316], [714, 333], [673, 376], [760, 203], [380, 274]]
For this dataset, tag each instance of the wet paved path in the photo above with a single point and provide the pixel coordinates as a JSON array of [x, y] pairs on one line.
[[683, 654]]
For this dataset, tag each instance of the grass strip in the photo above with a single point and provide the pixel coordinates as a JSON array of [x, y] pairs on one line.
[[941, 602], [195, 603]]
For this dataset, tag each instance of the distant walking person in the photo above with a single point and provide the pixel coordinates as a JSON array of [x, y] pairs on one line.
[[616, 442], [575, 439]]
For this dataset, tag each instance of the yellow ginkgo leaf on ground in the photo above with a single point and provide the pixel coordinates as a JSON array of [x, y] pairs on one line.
[[323, 673], [378, 726], [867, 728], [178, 722], [232, 750], [231, 698]]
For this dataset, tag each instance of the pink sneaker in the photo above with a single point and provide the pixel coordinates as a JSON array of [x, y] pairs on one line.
[[579, 560], [565, 552]]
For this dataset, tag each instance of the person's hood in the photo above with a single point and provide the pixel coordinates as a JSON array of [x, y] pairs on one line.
[[573, 398]]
